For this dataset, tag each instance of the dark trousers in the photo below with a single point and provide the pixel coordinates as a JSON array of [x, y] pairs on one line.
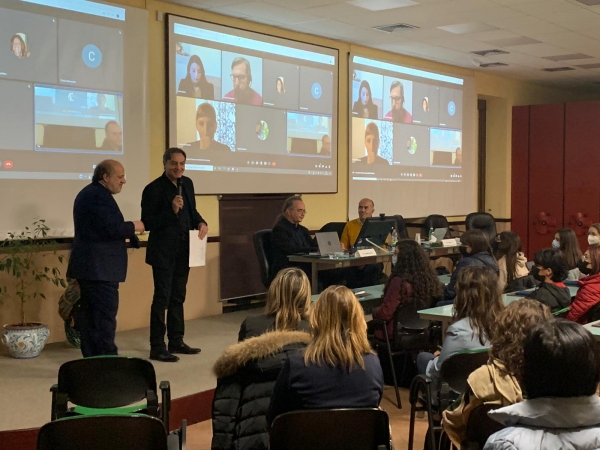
[[169, 294], [97, 317]]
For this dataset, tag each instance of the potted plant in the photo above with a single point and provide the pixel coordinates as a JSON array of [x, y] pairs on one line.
[[22, 258]]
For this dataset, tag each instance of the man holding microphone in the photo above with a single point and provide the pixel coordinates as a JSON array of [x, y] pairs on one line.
[[169, 213]]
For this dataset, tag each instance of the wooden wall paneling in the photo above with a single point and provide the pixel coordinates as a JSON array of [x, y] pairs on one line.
[[546, 174], [582, 168], [520, 174]]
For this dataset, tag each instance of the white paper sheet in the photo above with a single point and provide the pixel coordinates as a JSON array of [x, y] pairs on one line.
[[197, 250]]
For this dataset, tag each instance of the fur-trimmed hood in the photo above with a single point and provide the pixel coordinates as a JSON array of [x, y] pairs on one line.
[[238, 355]]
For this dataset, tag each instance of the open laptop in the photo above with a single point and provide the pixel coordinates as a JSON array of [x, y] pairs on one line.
[[328, 243], [440, 233]]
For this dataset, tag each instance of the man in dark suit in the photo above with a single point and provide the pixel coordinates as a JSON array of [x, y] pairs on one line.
[[169, 217], [99, 257], [290, 237]]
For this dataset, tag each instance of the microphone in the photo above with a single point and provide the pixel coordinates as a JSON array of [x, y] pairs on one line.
[[179, 187]]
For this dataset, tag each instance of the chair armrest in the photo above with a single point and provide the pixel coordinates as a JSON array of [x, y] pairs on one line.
[[165, 389], [420, 383], [378, 322], [152, 403]]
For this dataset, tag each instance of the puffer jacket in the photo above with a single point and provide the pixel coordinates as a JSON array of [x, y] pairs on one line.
[[478, 259], [548, 424], [246, 374], [587, 297]]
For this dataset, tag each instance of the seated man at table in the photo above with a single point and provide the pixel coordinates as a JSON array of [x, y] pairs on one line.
[[370, 274]]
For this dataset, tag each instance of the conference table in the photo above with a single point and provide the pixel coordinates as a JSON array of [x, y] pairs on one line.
[[595, 330]]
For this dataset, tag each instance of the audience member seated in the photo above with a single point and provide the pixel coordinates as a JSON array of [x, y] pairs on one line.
[[588, 294], [594, 234], [497, 383], [246, 374], [338, 368], [476, 251], [412, 280], [560, 376], [370, 274], [512, 263], [289, 237], [477, 306], [566, 240], [286, 308], [551, 270]]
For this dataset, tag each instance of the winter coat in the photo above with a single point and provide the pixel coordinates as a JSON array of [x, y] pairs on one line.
[[521, 270], [554, 295], [478, 259], [548, 424], [246, 374], [587, 297]]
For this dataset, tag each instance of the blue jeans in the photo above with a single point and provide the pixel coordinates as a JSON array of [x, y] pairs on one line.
[[423, 359]]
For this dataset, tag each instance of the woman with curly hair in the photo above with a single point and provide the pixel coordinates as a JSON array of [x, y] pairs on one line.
[[497, 383], [412, 280]]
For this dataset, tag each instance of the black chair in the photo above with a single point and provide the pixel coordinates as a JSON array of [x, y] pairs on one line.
[[411, 334], [593, 314], [326, 429], [338, 227], [482, 221], [480, 427], [453, 381], [434, 221], [109, 384], [401, 227], [133, 432], [262, 247]]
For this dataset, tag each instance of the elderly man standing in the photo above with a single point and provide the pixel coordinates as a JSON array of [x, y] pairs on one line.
[[99, 257]]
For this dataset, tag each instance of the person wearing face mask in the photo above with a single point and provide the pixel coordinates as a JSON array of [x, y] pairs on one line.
[[566, 241], [589, 288], [412, 280], [476, 251], [551, 270], [594, 234], [512, 263]]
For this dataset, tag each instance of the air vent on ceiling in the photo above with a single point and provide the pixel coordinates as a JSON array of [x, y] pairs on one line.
[[493, 64], [558, 69], [396, 27], [492, 52]]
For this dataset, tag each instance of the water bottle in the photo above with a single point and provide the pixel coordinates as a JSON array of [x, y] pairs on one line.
[[394, 237], [430, 234]]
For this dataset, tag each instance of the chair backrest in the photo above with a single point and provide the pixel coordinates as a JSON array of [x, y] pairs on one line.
[[482, 221], [338, 227], [435, 221], [480, 426], [457, 368], [106, 381], [401, 227], [330, 428], [128, 432], [262, 247], [410, 331]]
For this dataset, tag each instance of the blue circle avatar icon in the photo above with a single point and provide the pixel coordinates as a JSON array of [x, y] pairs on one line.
[[92, 56], [451, 108], [316, 90]]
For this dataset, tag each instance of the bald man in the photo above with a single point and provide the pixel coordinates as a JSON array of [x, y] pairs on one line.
[[99, 257], [366, 275]]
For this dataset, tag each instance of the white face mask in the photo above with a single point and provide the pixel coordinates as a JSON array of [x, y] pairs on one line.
[[593, 240], [555, 244], [394, 259]]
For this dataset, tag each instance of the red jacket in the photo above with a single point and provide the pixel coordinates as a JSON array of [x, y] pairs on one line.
[[393, 298], [587, 296]]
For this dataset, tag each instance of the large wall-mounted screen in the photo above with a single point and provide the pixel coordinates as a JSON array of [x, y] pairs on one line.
[[254, 113], [412, 139]]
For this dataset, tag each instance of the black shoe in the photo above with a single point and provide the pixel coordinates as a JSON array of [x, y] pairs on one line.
[[162, 355], [183, 349]]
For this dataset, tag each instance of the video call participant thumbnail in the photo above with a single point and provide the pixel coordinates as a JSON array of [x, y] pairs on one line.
[[241, 76], [458, 157], [18, 45], [101, 108], [325, 146], [195, 83], [364, 106], [398, 113], [113, 140], [372, 146], [206, 124]]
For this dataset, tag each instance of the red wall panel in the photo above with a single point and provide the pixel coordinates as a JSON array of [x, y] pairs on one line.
[[520, 173], [582, 168], [546, 174]]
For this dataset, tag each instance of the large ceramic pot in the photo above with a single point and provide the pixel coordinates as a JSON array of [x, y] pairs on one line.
[[25, 341]]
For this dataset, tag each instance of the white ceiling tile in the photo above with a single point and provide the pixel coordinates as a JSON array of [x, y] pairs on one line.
[[304, 4], [591, 32], [540, 50], [542, 6], [492, 35], [268, 12], [460, 44], [522, 59], [572, 20], [464, 28], [381, 5], [527, 25], [487, 15]]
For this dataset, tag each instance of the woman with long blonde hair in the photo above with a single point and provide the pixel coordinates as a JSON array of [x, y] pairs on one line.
[[287, 306], [338, 369]]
